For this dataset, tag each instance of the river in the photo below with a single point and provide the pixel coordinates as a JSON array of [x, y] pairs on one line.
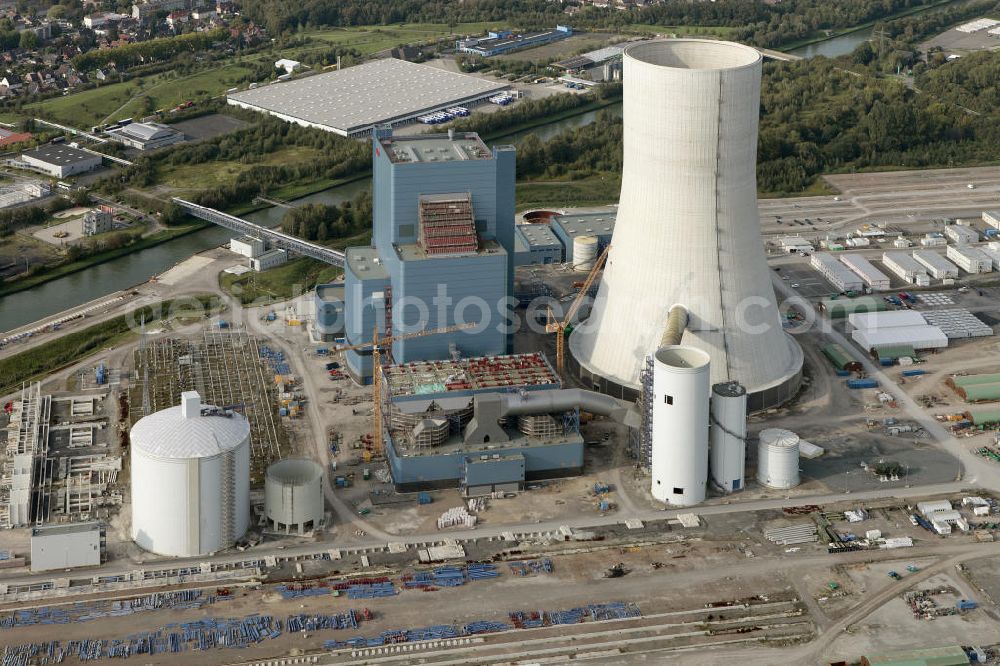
[[47, 299]]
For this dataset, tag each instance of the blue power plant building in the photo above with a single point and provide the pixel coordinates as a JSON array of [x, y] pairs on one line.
[[442, 253]]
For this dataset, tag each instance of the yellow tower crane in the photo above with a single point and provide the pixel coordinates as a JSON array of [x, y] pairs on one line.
[[559, 327], [377, 345]]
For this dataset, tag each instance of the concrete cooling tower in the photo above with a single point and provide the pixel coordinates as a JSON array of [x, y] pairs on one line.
[[687, 231]]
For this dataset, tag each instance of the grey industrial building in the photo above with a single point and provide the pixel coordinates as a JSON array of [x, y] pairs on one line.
[[67, 546], [329, 303], [537, 244], [351, 101], [145, 136], [567, 228], [59, 160]]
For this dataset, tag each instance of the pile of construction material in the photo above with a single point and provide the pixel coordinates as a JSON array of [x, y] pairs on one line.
[[457, 516], [792, 534]]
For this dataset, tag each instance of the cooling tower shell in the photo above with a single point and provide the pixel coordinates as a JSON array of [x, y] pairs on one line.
[[727, 439], [687, 229], [190, 482], [293, 495], [679, 453], [778, 458]]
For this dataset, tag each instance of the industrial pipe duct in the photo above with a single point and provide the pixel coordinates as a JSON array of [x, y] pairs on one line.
[[677, 321], [491, 407]]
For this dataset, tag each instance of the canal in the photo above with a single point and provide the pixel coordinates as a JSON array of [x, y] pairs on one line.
[[66, 292], [837, 46]]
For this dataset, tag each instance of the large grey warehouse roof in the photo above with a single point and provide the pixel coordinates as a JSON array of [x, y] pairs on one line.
[[59, 154], [358, 97]]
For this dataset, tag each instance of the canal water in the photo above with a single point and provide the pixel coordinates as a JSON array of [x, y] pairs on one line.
[[64, 293], [838, 46]]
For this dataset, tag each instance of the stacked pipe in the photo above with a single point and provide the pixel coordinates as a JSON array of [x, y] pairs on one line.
[[792, 534]]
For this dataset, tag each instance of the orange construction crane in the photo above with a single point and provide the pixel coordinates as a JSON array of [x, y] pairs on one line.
[[559, 327], [377, 345]]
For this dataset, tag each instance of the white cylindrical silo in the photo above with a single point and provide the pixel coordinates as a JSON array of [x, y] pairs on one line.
[[584, 253], [293, 495], [679, 452], [727, 449], [778, 458], [190, 479]]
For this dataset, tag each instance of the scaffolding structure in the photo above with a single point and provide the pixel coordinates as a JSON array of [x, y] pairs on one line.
[[540, 426], [23, 465], [487, 372], [447, 224], [641, 438], [227, 370]]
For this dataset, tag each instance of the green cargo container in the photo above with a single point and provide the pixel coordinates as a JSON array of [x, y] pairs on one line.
[[840, 359], [980, 392], [974, 380], [841, 307]]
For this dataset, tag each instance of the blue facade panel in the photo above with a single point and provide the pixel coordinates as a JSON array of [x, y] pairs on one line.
[[365, 284], [508, 468], [447, 468], [447, 292]]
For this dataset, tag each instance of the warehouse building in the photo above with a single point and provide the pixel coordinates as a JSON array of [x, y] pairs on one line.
[[939, 267], [352, 101], [970, 259], [66, 546], [269, 259], [248, 246], [145, 136], [793, 244], [497, 42], [873, 277], [568, 228], [841, 277], [907, 268], [993, 254], [536, 244], [61, 161]]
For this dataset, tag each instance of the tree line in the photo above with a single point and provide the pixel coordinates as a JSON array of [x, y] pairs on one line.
[[817, 117], [153, 50]]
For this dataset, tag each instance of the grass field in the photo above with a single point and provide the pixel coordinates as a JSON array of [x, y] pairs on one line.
[[294, 278], [209, 174], [593, 191]]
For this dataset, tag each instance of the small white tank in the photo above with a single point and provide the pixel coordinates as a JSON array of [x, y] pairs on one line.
[[778, 458], [584, 253]]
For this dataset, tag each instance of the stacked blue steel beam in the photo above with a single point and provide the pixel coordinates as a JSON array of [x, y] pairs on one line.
[[346, 620], [616, 610], [287, 593], [276, 359], [370, 590], [528, 567], [484, 627], [83, 612]]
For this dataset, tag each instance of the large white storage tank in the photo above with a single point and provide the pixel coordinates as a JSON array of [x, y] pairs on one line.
[[293, 495], [679, 462], [190, 479], [778, 458], [584, 253], [727, 450]]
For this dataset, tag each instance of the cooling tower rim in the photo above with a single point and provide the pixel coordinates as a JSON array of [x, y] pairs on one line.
[[718, 55], [682, 358]]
